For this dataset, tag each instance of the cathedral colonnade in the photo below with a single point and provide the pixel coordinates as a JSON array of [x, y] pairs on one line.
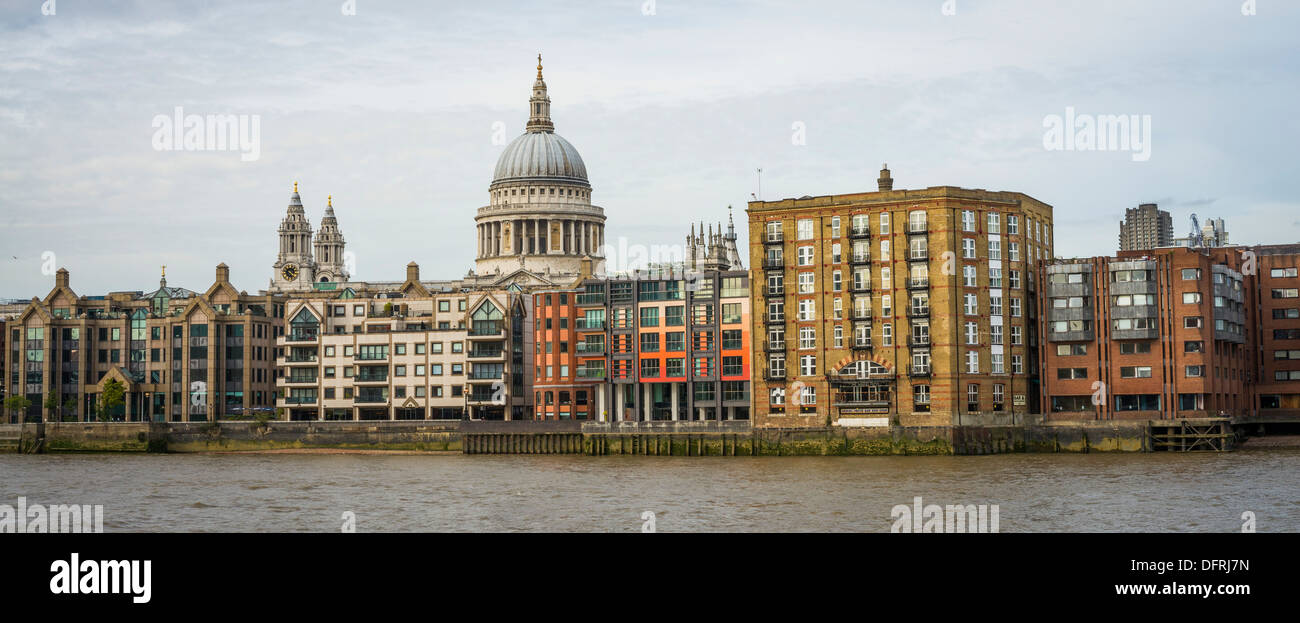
[[511, 236]]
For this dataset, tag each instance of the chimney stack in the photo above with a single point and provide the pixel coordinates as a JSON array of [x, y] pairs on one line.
[[413, 272], [885, 182]]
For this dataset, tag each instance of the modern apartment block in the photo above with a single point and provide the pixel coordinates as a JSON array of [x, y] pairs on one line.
[[1172, 333], [404, 354], [911, 307], [180, 355], [671, 344], [1279, 318], [1145, 227]]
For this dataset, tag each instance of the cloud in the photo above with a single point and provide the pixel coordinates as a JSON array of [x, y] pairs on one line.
[[391, 111]]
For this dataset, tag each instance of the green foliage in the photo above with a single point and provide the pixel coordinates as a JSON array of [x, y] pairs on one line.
[[17, 404], [114, 394]]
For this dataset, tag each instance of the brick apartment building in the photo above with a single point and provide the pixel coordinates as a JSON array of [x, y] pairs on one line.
[[911, 307], [1171, 333], [655, 346]]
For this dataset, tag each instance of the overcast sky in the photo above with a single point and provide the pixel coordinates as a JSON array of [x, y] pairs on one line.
[[391, 111]]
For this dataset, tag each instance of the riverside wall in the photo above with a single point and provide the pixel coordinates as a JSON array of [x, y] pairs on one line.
[[572, 437]]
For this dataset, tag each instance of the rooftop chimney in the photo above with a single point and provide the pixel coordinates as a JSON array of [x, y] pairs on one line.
[[223, 273], [413, 272], [61, 278], [885, 182]]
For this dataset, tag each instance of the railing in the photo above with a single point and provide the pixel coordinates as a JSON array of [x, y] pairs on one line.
[[773, 237], [487, 328], [771, 345], [918, 283], [294, 400], [861, 345], [590, 373], [919, 340], [371, 378], [918, 312], [585, 348], [859, 258], [486, 353], [300, 359], [773, 263], [919, 371], [774, 319], [773, 291], [774, 375], [302, 336], [591, 299], [862, 314], [490, 375], [585, 324], [360, 399], [300, 378], [915, 256], [859, 232], [860, 287]]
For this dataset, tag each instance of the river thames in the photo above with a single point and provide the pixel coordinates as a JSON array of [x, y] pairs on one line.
[[453, 492]]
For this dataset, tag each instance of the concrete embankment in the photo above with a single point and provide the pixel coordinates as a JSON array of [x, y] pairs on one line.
[[417, 436], [572, 437]]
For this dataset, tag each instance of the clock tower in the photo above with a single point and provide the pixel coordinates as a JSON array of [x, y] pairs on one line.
[[294, 268]]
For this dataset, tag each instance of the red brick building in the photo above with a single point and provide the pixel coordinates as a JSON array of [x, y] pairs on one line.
[[1171, 333]]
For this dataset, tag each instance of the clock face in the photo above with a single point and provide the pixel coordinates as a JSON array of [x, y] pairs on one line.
[[289, 272]]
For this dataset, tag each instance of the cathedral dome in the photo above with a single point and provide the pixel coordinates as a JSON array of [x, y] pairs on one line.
[[540, 156]]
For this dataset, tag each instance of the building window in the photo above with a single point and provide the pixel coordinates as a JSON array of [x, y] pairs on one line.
[[805, 229], [805, 256]]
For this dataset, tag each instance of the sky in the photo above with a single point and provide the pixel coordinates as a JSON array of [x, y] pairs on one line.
[[392, 108]]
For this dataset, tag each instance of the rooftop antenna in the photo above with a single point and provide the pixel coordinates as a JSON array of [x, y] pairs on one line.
[[760, 183]]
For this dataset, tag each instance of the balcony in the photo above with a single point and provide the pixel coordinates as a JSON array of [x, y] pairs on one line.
[[859, 232], [920, 283], [299, 358], [774, 319], [860, 288], [917, 228], [588, 349], [485, 353], [485, 395], [588, 324], [595, 298], [301, 378], [918, 312], [486, 375], [918, 371], [861, 345], [589, 373], [373, 377], [861, 314], [299, 400], [370, 400], [488, 328], [301, 335], [919, 341], [773, 263], [774, 346], [918, 256], [774, 237], [771, 291], [774, 375], [859, 258]]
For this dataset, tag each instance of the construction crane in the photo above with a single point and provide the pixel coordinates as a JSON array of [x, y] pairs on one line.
[[1194, 240]]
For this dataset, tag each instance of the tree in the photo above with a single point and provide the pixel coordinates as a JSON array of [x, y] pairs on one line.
[[70, 408], [17, 404], [52, 404], [114, 396]]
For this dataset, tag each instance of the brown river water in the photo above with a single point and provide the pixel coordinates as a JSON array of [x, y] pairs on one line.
[[452, 492]]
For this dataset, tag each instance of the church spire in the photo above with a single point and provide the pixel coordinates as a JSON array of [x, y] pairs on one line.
[[539, 106]]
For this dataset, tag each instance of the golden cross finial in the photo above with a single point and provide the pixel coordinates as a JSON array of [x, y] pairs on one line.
[[164, 270], [329, 200], [539, 64], [295, 187]]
